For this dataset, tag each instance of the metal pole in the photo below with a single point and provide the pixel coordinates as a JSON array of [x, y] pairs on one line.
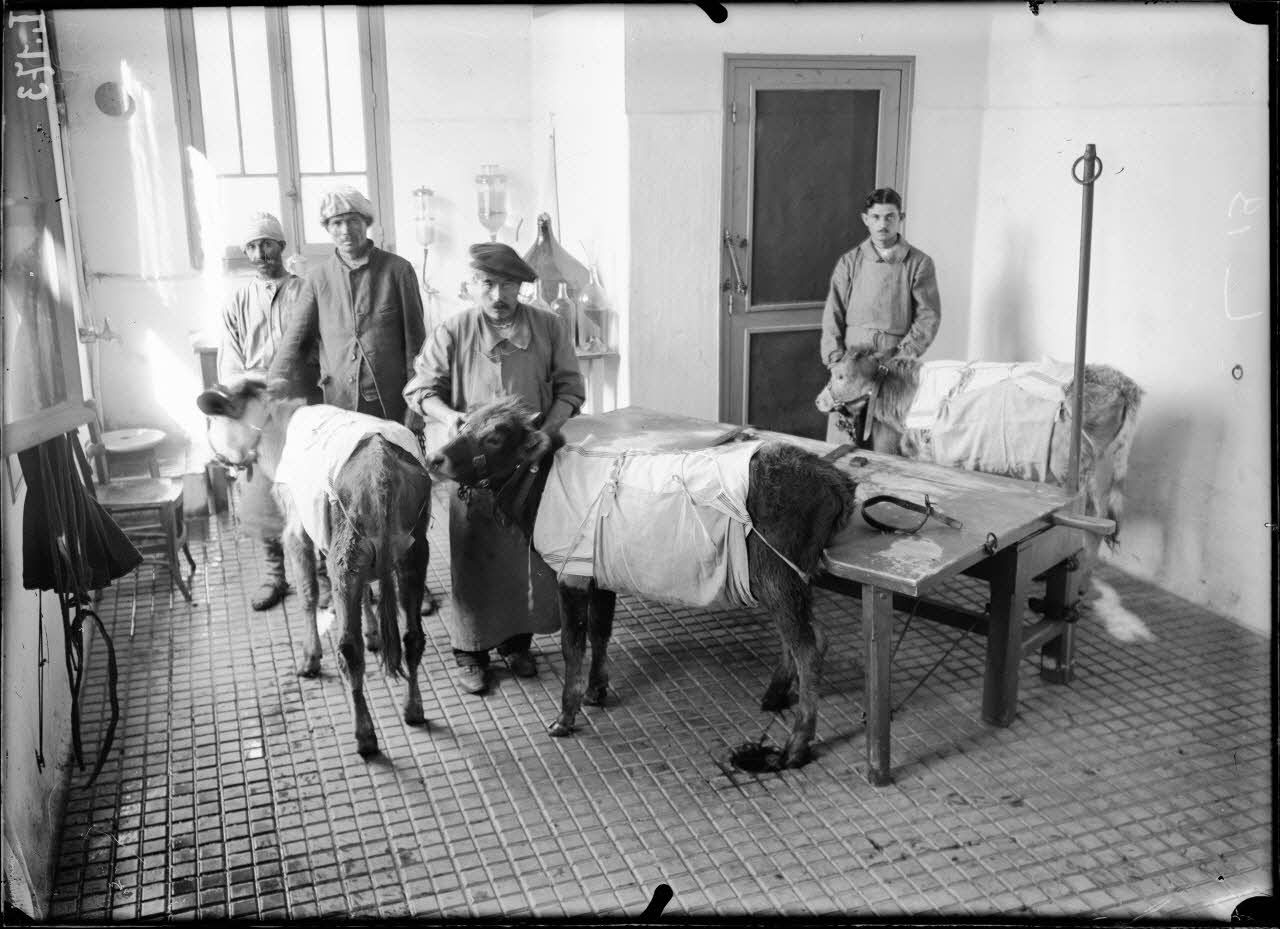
[[1092, 169]]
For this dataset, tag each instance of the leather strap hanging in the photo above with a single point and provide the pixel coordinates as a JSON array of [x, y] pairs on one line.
[[72, 546]]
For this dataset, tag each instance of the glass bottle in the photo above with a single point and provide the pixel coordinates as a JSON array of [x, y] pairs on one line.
[[562, 306], [593, 310], [553, 264], [491, 199]]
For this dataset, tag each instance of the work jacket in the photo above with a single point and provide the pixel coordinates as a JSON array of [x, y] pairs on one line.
[[367, 342]]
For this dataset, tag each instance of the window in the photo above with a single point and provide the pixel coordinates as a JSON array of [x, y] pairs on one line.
[[275, 105]]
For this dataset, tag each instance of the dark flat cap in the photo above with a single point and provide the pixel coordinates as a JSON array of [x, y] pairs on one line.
[[501, 261]]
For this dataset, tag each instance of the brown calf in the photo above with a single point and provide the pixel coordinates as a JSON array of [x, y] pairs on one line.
[[795, 500], [378, 508]]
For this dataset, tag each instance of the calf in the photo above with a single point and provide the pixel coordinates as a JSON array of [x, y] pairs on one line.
[[370, 514], [796, 501], [1111, 402]]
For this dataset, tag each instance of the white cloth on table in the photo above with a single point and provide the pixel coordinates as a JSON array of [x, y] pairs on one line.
[[670, 526], [319, 441]]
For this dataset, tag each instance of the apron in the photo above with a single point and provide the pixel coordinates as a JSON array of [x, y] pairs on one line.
[[879, 315], [501, 587]]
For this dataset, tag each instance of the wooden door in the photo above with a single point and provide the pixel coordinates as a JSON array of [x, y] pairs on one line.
[[805, 140]]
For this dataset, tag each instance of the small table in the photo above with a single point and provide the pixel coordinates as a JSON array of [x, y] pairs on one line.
[[1008, 537]]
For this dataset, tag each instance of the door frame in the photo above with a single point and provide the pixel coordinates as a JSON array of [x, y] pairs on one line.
[[905, 64]]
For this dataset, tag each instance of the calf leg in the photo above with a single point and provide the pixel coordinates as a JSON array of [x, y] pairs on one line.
[[412, 580], [302, 559], [574, 606], [777, 696], [789, 600], [600, 610], [349, 572]]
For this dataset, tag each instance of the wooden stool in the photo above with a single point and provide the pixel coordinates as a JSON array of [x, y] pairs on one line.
[[132, 444]]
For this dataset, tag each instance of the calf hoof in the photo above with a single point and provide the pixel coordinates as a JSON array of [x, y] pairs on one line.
[[414, 716], [596, 695], [560, 729], [796, 756], [373, 643], [776, 699], [369, 750], [310, 668]]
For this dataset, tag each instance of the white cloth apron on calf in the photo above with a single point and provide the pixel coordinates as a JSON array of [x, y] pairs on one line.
[[319, 441], [670, 526]]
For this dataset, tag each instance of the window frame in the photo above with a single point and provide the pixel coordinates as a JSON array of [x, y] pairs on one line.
[[184, 68]]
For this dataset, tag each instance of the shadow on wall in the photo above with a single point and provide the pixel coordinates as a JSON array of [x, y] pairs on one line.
[[1187, 448], [149, 375], [998, 325]]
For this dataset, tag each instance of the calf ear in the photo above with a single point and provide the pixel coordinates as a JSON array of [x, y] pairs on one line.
[[215, 401]]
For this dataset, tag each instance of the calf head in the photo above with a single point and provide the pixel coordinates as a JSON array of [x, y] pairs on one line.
[[864, 371], [497, 439], [236, 417]]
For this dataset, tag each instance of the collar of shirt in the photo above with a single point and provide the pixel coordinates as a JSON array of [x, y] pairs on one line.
[[896, 254], [267, 290], [491, 337], [358, 263]]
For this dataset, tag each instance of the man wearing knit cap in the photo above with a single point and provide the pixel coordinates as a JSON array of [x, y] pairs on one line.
[[502, 591], [362, 309], [253, 323]]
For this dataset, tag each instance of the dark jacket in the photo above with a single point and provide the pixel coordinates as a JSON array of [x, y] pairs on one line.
[[388, 323]]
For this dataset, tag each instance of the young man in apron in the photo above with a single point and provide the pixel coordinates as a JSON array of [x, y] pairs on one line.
[[883, 295]]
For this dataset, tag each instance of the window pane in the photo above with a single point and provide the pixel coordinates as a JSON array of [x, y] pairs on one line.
[[815, 161], [306, 43], [217, 89], [346, 96], [313, 189], [241, 197], [253, 81]]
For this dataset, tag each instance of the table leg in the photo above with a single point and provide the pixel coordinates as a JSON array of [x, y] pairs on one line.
[[877, 627], [1059, 653], [1010, 581]]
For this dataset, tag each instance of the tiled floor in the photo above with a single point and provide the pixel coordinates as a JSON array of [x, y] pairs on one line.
[[1140, 790]]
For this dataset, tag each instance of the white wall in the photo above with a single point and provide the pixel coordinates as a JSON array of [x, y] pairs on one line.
[[1175, 99], [459, 83], [1182, 132], [675, 105], [577, 81], [126, 183], [32, 797]]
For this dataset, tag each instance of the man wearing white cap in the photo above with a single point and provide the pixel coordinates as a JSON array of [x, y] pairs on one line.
[[362, 309], [254, 321]]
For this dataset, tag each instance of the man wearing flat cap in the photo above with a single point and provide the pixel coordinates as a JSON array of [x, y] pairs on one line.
[[503, 592], [253, 323], [362, 309]]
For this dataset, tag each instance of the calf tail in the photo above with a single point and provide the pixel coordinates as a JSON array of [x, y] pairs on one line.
[[389, 622], [1118, 454], [384, 560]]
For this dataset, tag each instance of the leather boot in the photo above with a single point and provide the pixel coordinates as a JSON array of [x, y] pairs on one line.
[[274, 586]]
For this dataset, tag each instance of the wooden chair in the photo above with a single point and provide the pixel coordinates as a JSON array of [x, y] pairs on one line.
[[148, 509]]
